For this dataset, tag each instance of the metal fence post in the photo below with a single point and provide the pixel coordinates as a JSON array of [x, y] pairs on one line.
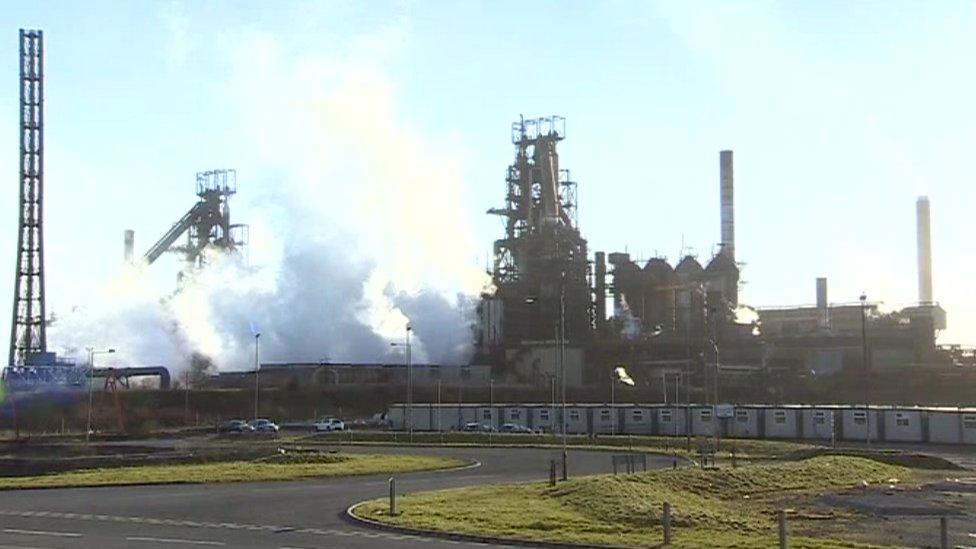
[[666, 523], [393, 509], [783, 542], [552, 472], [944, 532]]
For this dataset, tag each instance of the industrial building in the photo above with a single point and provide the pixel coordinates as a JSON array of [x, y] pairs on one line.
[[675, 323]]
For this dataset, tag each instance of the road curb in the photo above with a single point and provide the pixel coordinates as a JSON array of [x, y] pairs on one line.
[[351, 517]]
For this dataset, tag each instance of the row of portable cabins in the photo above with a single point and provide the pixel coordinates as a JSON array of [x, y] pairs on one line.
[[887, 424]]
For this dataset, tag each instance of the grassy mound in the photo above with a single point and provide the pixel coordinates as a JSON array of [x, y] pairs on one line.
[[285, 467], [710, 508]]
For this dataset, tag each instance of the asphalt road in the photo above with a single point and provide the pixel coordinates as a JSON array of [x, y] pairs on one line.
[[297, 515]]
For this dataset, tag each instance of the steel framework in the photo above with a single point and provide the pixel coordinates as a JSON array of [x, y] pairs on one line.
[[28, 337], [543, 257], [207, 223]]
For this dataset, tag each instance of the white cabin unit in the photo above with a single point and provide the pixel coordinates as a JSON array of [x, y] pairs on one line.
[[781, 422], [903, 425], [545, 418], [856, 421], [605, 420], [745, 422], [945, 426], [518, 415], [671, 421], [488, 415], [577, 420], [638, 421], [818, 423], [704, 422]]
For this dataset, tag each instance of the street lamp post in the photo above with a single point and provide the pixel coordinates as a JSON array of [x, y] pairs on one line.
[[257, 371], [867, 370], [613, 382], [91, 378], [561, 363], [409, 414]]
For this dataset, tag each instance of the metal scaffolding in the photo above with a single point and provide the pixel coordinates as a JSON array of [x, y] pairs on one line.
[[542, 260], [206, 224]]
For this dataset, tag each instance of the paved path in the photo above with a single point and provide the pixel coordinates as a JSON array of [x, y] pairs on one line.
[[297, 515]]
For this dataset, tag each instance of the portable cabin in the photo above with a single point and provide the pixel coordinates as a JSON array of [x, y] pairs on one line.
[[945, 425], [638, 420], [818, 422], [488, 415], [544, 418], [903, 425], [518, 415], [605, 420], [671, 420], [577, 419], [968, 420], [781, 422], [448, 417], [856, 423], [704, 422], [745, 422]]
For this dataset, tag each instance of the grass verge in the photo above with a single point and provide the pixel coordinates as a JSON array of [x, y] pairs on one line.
[[284, 467], [745, 449], [725, 508]]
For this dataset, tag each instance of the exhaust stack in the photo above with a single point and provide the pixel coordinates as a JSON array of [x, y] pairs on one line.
[[130, 244], [924, 240], [728, 209]]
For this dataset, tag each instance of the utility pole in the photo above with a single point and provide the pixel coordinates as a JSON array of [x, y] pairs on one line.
[[257, 371], [867, 370]]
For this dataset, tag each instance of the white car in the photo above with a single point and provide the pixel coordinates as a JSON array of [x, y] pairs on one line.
[[330, 424]]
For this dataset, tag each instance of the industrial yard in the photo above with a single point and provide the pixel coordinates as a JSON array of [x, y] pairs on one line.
[[708, 289]]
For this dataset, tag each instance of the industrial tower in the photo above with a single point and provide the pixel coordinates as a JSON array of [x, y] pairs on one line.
[[28, 338], [207, 223], [540, 270]]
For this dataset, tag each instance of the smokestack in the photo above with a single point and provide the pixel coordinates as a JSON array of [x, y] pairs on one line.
[[822, 309], [600, 290], [728, 209], [924, 240], [130, 244]]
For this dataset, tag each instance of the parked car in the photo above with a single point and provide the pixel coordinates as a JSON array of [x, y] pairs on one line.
[[330, 424], [235, 426], [514, 428], [264, 426], [477, 427]]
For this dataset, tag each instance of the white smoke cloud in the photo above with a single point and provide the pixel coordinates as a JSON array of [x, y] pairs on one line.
[[358, 226]]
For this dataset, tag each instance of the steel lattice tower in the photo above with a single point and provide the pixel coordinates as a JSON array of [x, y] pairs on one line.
[[27, 331]]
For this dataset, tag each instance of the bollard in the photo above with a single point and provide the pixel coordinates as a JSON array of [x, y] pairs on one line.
[[674, 460], [552, 472], [783, 544], [944, 532], [393, 510], [565, 471], [666, 523]]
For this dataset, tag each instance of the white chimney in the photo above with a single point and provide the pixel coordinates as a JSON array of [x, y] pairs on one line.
[[924, 240], [130, 243], [728, 209]]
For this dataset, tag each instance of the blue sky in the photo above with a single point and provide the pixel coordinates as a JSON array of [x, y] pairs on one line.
[[840, 114]]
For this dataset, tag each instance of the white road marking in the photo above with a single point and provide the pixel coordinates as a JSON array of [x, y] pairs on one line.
[[174, 540], [42, 533]]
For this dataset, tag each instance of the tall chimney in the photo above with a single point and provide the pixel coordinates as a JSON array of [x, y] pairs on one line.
[[924, 239], [130, 243], [823, 310], [728, 209]]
